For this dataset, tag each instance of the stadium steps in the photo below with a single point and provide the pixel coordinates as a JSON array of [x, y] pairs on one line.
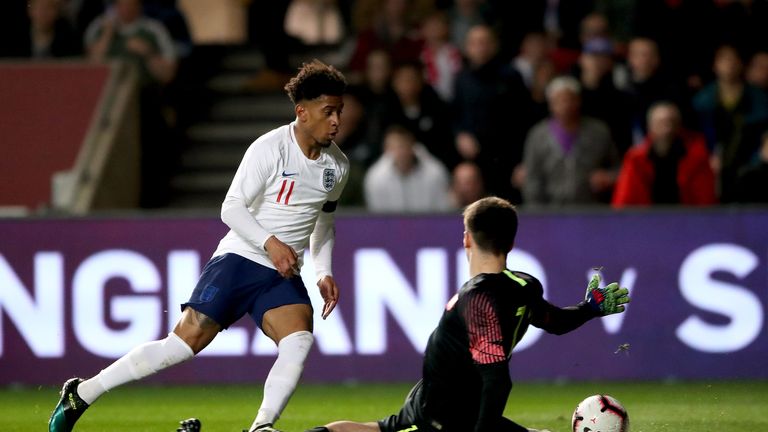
[[204, 156], [231, 118], [226, 131], [269, 106]]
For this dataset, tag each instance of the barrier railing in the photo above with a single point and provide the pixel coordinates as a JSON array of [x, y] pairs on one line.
[[106, 172]]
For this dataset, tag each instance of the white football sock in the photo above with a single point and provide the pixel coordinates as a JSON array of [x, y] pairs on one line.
[[142, 361], [284, 375]]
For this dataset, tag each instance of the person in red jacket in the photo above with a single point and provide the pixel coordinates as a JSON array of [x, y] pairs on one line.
[[671, 166]]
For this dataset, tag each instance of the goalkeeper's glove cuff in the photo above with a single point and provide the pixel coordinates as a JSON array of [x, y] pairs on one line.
[[595, 299], [608, 300]]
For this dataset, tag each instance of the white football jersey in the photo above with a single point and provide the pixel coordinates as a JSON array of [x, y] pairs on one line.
[[284, 191]]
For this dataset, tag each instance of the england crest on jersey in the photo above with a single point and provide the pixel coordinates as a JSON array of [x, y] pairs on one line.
[[329, 178]]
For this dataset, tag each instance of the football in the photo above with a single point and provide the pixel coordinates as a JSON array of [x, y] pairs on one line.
[[600, 413]]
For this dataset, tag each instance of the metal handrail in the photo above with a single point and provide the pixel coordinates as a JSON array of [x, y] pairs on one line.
[[76, 191]]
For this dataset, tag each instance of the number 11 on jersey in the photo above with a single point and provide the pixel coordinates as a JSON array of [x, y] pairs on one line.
[[287, 184]]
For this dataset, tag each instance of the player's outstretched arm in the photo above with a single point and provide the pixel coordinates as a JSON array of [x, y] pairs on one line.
[[608, 300], [597, 302]]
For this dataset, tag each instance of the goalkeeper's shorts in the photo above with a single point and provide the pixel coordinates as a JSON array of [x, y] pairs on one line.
[[410, 416]]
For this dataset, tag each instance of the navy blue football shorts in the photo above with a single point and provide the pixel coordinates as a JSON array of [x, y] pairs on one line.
[[232, 286]]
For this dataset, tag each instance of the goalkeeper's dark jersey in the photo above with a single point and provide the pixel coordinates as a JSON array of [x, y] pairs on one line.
[[466, 375]]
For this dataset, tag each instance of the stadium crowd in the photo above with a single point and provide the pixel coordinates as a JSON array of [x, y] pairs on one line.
[[544, 102]]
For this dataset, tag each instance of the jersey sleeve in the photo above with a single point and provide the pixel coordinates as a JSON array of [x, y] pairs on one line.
[[343, 177], [557, 320], [321, 243], [486, 338], [247, 186], [546, 316]]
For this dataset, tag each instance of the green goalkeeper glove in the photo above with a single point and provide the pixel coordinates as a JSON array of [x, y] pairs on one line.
[[608, 300]]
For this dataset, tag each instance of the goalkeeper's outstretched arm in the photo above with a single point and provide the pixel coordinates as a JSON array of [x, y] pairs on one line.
[[597, 302]]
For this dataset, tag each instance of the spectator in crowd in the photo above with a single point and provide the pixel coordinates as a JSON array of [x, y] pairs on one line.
[[740, 23], [392, 29], [752, 183], [418, 108], [559, 20], [406, 178], [492, 111], [467, 184], [599, 96], [375, 94], [619, 14], [476, 91], [513, 20], [124, 32], [463, 15], [568, 158], [534, 50], [594, 25], [174, 21], [351, 133], [733, 116], [687, 32], [81, 13], [648, 84], [351, 139], [544, 73], [38, 31], [50, 34], [583, 26], [565, 20], [671, 166], [441, 58], [757, 71]]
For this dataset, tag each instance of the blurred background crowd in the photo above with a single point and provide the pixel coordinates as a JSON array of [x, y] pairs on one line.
[[549, 103]]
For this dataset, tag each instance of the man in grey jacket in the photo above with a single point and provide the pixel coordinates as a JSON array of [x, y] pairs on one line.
[[568, 158]]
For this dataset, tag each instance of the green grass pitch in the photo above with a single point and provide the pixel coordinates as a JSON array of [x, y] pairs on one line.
[[653, 407]]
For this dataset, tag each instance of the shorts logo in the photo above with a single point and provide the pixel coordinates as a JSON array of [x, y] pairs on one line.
[[209, 292], [329, 179]]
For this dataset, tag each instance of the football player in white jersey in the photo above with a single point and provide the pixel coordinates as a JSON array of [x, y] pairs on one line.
[[281, 201]]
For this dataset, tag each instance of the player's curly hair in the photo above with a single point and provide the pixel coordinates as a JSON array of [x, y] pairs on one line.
[[314, 80], [492, 223]]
